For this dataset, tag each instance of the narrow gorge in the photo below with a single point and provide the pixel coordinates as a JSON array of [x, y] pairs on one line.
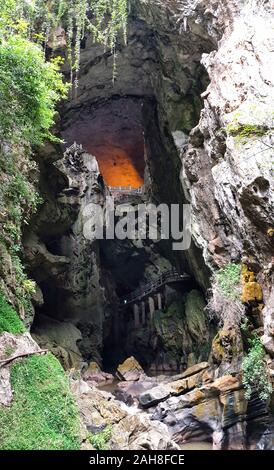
[[127, 342]]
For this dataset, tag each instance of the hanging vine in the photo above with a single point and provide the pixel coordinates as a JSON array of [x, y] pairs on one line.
[[39, 19]]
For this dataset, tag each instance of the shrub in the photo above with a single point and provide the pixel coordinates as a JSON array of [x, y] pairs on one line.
[[100, 440], [9, 320], [43, 415], [255, 376], [228, 280], [29, 91], [225, 305]]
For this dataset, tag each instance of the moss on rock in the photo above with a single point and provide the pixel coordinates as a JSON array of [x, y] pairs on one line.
[[252, 290], [43, 415], [9, 320], [182, 329]]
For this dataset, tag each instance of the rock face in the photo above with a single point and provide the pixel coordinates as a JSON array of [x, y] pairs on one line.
[[179, 333], [224, 174], [215, 411], [64, 262], [268, 312]]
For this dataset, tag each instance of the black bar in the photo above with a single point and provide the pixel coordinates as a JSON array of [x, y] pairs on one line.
[[125, 459]]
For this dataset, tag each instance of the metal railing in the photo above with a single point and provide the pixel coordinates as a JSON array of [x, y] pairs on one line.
[[153, 286], [124, 190]]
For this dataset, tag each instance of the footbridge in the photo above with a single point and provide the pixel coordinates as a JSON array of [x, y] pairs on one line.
[[149, 297]]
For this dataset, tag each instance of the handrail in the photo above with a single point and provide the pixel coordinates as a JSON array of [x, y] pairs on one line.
[[167, 277], [125, 189]]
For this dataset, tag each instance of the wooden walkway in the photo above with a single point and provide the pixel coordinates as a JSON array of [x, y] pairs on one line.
[[151, 287]]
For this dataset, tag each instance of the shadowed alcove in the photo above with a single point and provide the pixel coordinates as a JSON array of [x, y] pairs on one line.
[[113, 132]]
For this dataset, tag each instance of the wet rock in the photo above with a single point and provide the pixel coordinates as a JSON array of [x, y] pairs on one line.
[[128, 432], [132, 390], [96, 375], [139, 433], [130, 370], [217, 412], [206, 413], [195, 423], [154, 396], [125, 396], [172, 388]]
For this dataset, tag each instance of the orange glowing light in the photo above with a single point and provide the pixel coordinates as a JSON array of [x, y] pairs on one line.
[[118, 168]]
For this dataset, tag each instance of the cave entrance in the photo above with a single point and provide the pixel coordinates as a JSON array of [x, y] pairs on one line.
[[113, 132]]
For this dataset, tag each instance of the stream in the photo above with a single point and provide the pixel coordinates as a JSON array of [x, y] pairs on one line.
[[135, 409]]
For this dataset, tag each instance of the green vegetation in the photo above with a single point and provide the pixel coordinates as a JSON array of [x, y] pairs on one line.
[[30, 88], [43, 415], [9, 320], [175, 310], [245, 131], [255, 376], [38, 19], [228, 280], [225, 304], [29, 91], [101, 439]]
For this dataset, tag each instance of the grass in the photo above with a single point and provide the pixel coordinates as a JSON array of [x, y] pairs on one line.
[[243, 132], [43, 415], [225, 304], [255, 375], [101, 439], [228, 279], [9, 320]]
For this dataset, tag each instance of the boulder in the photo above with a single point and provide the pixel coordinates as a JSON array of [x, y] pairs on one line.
[[97, 408], [128, 431], [226, 383], [175, 388], [16, 344], [96, 375], [155, 395], [130, 370], [139, 433], [128, 391], [190, 423]]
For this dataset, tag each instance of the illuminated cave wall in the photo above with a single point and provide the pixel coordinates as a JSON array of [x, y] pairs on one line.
[[113, 132]]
